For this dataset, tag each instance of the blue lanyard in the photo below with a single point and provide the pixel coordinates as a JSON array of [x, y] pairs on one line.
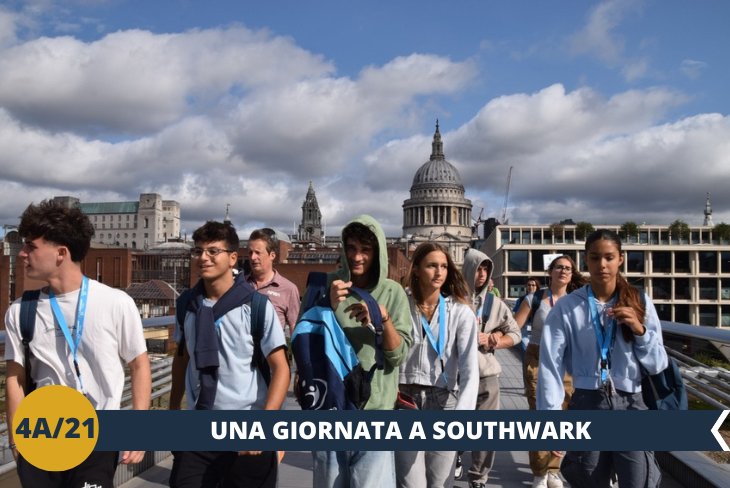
[[605, 340], [550, 294], [438, 347], [73, 344]]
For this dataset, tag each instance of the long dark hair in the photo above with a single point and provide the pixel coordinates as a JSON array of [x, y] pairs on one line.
[[454, 286], [576, 277], [628, 296]]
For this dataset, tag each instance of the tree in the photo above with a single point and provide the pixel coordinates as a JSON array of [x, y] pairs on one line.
[[582, 229], [629, 230], [557, 230], [679, 229], [721, 231]]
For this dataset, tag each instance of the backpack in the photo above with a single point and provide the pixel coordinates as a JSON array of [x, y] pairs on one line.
[[330, 374], [664, 390], [258, 316], [28, 307]]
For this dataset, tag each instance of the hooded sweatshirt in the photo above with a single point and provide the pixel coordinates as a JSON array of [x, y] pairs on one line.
[[423, 366], [388, 293], [569, 334], [500, 319]]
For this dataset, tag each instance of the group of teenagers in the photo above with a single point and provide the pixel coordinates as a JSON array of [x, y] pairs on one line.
[[440, 332]]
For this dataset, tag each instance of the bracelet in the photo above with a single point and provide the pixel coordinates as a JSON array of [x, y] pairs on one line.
[[12, 446]]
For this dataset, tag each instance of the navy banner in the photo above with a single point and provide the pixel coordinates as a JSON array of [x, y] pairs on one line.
[[504, 430]]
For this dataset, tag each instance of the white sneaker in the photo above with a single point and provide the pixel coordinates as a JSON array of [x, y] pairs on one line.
[[540, 482], [554, 481]]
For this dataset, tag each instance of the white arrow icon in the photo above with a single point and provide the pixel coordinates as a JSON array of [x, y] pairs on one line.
[[716, 430]]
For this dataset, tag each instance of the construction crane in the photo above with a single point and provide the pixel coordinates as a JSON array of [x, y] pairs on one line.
[[477, 222], [503, 220]]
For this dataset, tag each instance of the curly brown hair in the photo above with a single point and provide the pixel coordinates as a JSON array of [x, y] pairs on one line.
[[65, 226]]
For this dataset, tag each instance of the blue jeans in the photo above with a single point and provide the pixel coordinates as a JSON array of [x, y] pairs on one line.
[[353, 469]]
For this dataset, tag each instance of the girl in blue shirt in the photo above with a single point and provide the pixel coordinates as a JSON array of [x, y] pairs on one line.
[[607, 337]]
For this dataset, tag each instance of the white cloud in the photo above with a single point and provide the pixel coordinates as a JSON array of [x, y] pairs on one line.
[[234, 116], [137, 82], [8, 21], [577, 155], [600, 38], [692, 68], [139, 112]]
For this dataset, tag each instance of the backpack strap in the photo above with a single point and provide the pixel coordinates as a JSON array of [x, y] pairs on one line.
[[28, 307], [536, 300], [258, 317], [377, 321], [181, 309], [487, 308], [317, 286]]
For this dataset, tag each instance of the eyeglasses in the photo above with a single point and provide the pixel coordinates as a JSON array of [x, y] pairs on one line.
[[560, 269], [212, 252]]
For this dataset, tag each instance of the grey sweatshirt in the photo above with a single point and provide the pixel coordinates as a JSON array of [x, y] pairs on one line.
[[500, 318]]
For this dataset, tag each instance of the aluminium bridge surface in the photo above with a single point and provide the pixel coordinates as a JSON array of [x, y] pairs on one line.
[[511, 468]]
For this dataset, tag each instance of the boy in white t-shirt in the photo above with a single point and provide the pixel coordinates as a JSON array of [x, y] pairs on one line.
[[56, 240]]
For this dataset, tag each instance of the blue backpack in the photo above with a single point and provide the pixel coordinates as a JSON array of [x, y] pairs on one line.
[[664, 390], [330, 374]]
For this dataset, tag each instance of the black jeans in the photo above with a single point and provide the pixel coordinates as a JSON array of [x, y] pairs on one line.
[[96, 470], [224, 469]]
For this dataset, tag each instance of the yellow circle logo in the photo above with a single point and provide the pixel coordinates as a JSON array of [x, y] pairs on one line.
[[55, 428]]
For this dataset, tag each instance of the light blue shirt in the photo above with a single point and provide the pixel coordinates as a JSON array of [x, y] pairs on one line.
[[569, 344], [240, 385]]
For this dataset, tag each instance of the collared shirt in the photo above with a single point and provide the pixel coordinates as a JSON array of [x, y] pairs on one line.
[[283, 294]]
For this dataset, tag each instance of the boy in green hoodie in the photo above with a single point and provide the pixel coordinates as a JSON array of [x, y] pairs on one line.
[[365, 265]]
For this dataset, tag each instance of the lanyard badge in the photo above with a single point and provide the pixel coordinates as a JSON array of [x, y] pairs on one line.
[[438, 346], [605, 338], [73, 342]]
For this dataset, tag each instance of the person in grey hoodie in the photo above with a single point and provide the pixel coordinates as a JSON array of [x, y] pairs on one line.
[[497, 329]]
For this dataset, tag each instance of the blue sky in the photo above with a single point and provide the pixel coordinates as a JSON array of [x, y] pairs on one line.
[[608, 111]]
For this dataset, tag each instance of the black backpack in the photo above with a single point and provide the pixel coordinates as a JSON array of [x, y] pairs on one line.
[[258, 316]]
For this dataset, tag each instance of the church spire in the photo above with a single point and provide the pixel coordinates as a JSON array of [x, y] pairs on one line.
[[708, 213], [310, 228], [437, 147], [227, 218]]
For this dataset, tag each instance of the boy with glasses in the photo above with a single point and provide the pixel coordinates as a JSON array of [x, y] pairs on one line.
[[215, 362]]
